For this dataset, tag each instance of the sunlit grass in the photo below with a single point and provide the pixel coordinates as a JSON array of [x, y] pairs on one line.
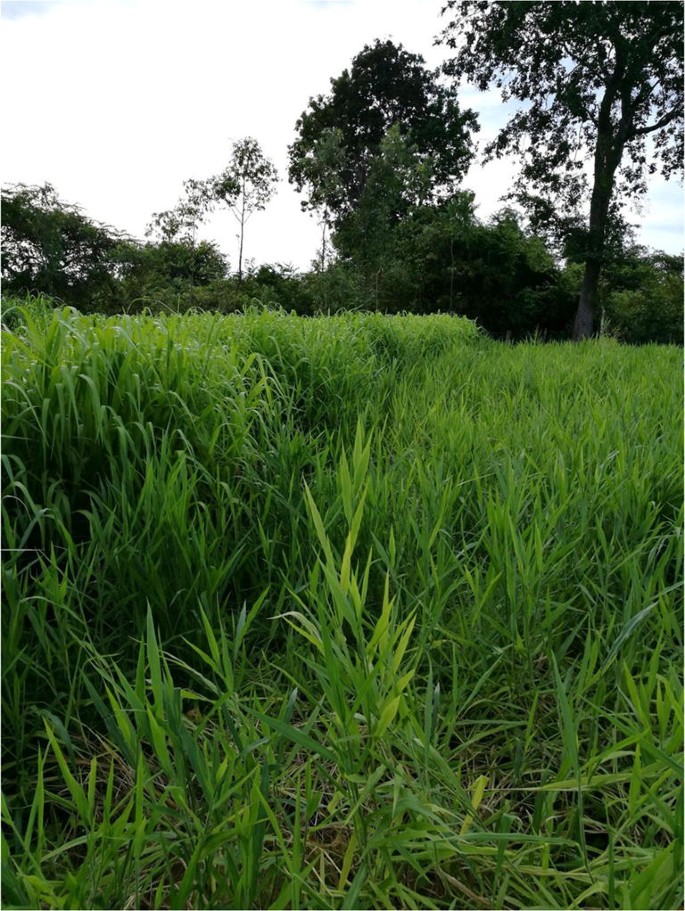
[[351, 611]]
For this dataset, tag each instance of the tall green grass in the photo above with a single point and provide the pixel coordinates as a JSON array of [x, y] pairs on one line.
[[352, 611]]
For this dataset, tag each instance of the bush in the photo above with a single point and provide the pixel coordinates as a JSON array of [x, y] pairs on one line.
[[643, 298]]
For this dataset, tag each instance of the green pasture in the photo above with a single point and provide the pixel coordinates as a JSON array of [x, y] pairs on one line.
[[354, 611]]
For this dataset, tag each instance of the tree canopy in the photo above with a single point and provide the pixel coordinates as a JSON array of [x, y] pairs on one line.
[[593, 78], [340, 134], [51, 247], [380, 158]]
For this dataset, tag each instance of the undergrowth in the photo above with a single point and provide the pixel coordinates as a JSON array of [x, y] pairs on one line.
[[352, 611]]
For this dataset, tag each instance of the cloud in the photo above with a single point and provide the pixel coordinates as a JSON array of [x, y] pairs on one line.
[[18, 9], [126, 99], [324, 4]]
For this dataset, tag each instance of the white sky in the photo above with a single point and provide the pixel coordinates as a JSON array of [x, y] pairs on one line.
[[117, 102]]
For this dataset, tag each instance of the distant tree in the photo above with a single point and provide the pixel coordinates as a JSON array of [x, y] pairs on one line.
[[166, 269], [397, 181], [324, 165], [594, 78], [245, 186], [180, 224], [49, 246], [340, 134]]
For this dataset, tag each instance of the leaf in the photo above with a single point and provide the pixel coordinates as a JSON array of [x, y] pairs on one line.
[[387, 715], [296, 735], [476, 797], [78, 795]]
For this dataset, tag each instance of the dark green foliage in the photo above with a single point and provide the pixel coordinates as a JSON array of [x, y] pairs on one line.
[[493, 273], [421, 258], [341, 134], [642, 297], [442, 258], [50, 247], [594, 79], [278, 285], [164, 274]]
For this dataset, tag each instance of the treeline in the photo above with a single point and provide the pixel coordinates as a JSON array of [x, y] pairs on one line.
[[380, 161], [442, 259]]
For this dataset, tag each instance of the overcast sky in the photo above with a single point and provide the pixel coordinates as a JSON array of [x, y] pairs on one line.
[[117, 102]]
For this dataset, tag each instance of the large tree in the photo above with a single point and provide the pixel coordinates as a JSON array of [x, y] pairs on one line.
[[597, 81], [395, 186], [340, 135]]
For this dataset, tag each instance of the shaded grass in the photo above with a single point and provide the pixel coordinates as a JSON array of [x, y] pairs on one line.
[[355, 611]]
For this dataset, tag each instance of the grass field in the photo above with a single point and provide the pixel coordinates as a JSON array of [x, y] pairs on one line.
[[344, 612]]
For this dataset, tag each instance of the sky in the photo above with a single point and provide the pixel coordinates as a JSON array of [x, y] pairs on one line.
[[117, 102]]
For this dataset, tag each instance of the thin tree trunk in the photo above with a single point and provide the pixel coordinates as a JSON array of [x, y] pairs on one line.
[[192, 262], [242, 237], [323, 245], [451, 274], [240, 252], [240, 256]]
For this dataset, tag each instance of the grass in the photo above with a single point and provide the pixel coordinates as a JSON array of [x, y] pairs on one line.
[[352, 611]]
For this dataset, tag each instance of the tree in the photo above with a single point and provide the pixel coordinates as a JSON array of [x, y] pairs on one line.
[[594, 78], [340, 135], [180, 224], [245, 186], [396, 182], [49, 246], [324, 164], [642, 296], [166, 271]]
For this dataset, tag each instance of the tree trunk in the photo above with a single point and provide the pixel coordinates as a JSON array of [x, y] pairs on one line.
[[451, 274], [240, 255], [608, 153], [242, 235], [583, 324], [605, 168]]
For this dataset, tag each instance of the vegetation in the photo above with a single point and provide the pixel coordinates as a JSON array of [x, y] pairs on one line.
[[315, 595], [351, 611], [245, 186], [389, 132], [51, 247], [380, 160], [595, 80], [439, 258], [642, 296]]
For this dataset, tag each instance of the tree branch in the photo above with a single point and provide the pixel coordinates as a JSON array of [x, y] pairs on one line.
[[664, 121]]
